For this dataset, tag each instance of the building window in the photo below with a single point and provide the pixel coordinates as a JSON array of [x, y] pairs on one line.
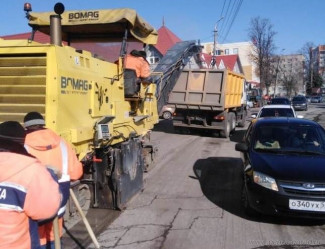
[[235, 50], [218, 52], [227, 51]]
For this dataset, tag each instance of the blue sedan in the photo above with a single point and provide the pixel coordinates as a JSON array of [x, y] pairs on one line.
[[284, 167]]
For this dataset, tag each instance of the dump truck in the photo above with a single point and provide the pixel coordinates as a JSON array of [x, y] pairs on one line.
[[209, 99], [83, 98]]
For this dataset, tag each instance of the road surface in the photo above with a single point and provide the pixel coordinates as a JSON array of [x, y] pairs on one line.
[[191, 200]]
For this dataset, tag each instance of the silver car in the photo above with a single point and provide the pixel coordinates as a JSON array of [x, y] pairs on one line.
[[167, 112]]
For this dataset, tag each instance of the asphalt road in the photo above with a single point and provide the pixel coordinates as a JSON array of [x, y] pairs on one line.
[[191, 200]]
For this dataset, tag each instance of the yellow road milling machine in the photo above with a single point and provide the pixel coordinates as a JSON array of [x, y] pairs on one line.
[[83, 97]]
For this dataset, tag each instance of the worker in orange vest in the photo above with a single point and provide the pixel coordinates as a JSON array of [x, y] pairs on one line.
[[28, 191], [137, 61], [53, 150]]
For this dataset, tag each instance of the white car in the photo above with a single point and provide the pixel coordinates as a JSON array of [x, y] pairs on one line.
[[276, 111]]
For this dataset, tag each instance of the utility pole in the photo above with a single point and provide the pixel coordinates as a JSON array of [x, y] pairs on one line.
[[311, 68], [215, 31]]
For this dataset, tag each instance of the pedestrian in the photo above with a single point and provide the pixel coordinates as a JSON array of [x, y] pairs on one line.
[[51, 149], [28, 191]]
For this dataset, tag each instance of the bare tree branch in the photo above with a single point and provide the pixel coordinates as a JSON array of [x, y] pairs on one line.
[[262, 35]]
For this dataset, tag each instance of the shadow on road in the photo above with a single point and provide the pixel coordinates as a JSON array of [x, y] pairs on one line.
[[164, 125], [167, 127], [221, 182]]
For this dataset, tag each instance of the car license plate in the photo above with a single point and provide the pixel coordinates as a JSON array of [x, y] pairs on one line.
[[318, 206]]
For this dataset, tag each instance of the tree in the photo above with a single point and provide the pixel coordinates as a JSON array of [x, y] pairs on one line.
[[262, 35], [289, 80], [306, 51]]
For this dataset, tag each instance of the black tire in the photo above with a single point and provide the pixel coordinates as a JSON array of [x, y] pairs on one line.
[[167, 115], [249, 211]]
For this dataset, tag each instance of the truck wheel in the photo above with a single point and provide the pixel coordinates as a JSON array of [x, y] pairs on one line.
[[225, 133], [232, 120]]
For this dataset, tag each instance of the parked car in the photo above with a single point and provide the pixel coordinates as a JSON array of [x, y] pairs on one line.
[[276, 111], [284, 171], [299, 103], [279, 101], [316, 99], [167, 112], [308, 98]]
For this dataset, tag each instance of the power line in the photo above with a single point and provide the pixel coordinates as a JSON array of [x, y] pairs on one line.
[[234, 17], [226, 14], [228, 17]]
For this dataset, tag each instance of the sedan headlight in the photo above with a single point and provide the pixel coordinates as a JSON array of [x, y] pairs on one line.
[[265, 181]]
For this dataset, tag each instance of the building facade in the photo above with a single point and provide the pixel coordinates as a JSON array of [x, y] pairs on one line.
[[318, 60], [243, 49], [289, 75]]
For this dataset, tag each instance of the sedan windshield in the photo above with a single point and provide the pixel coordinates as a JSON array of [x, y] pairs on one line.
[[290, 138]]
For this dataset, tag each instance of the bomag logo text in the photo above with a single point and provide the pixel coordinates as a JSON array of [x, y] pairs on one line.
[[84, 15], [74, 84]]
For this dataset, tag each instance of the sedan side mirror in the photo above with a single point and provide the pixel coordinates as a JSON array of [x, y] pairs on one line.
[[242, 147]]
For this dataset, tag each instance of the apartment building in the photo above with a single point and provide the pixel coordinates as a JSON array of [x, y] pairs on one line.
[[318, 60], [289, 74]]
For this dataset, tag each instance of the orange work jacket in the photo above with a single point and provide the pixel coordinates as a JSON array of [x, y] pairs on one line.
[[138, 64], [52, 150], [28, 193]]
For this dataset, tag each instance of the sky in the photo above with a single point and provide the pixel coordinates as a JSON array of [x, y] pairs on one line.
[[295, 22]]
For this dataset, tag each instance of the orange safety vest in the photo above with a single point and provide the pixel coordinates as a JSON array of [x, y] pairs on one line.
[[52, 150], [28, 193], [138, 64]]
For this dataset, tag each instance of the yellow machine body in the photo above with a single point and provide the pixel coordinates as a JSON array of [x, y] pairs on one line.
[[72, 90]]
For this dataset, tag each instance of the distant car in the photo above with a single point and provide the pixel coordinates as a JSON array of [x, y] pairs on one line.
[[284, 171], [276, 111], [250, 103], [299, 103], [279, 101], [167, 112], [308, 99], [316, 99]]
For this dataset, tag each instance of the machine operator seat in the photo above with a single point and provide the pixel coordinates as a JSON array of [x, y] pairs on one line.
[[131, 83]]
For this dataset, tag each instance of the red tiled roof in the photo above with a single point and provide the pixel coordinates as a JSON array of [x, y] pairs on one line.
[[166, 39], [229, 61], [39, 37], [110, 52]]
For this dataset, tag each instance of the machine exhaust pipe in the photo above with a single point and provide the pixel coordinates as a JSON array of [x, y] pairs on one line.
[[55, 25], [55, 30]]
